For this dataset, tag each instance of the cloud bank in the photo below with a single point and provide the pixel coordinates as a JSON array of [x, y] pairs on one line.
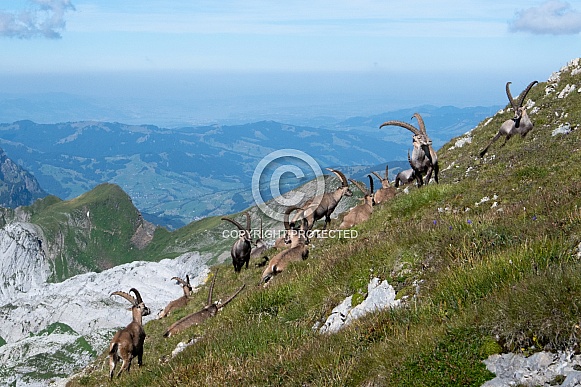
[[553, 17], [44, 18]]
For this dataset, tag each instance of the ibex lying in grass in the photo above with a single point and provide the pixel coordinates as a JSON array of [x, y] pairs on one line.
[[405, 177], [259, 245], [519, 124], [323, 206], [424, 158], [240, 251], [128, 342], [361, 212], [298, 250], [386, 191], [180, 302], [202, 315]]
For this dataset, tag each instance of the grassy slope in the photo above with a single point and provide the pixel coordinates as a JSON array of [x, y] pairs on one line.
[[493, 278]]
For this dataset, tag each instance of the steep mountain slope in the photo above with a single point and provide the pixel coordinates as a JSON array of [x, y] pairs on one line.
[[177, 175], [17, 186], [486, 261]]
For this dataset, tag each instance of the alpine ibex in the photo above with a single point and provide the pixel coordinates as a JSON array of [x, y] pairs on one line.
[[259, 245], [405, 177], [519, 124], [297, 237], [386, 191], [424, 158], [240, 251], [128, 342], [180, 302], [323, 205], [363, 211], [202, 315]]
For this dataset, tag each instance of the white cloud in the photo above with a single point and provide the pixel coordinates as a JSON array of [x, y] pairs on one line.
[[554, 17], [44, 18]]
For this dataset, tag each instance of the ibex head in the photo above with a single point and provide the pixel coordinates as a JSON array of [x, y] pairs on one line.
[[344, 184], [517, 106], [136, 302]]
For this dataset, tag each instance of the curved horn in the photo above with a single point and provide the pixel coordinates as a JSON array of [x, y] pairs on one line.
[[340, 175], [212, 288], [377, 175], [420, 122], [235, 223], [181, 281], [231, 297], [509, 95], [358, 185], [188, 279], [127, 296], [525, 92], [137, 295], [386, 172], [405, 125], [370, 184]]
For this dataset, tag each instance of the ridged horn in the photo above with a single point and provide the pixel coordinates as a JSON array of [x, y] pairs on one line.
[[525, 92], [127, 296], [181, 281], [137, 295], [377, 175], [358, 185], [402, 124], [340, 175], [510, 99], [212, 288], [386, 172], [370, 184], [420, 122], [234, 223], [231, 297]]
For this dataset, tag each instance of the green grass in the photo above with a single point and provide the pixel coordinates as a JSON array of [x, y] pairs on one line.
[[496, 275]]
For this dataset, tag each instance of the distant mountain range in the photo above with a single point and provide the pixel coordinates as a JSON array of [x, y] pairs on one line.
[[178, 175]]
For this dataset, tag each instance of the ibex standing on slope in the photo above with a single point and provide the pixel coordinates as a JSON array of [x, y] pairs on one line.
[[323, 206], [240, 251], [180, 302], [363, 211], [386, 191], [128, 342], [202, 315], [424, 158], [519, 124]]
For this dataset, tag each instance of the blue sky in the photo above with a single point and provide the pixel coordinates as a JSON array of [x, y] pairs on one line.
[[377, 52]]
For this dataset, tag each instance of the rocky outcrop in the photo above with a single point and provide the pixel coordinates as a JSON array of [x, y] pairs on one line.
[[17, 186]]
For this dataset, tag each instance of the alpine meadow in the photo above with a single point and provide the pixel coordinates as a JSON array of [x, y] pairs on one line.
[[486, 262]]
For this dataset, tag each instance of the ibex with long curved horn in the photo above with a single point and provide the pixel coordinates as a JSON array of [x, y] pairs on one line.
[[519, 124], [386, 191], [424, 158], [240, 251], [323, 205], [128, 342], [363, 211], [202, 315], [180, 302], [297, 237]]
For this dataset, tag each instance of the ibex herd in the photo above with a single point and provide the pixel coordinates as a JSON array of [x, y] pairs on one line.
[[128, 342]]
